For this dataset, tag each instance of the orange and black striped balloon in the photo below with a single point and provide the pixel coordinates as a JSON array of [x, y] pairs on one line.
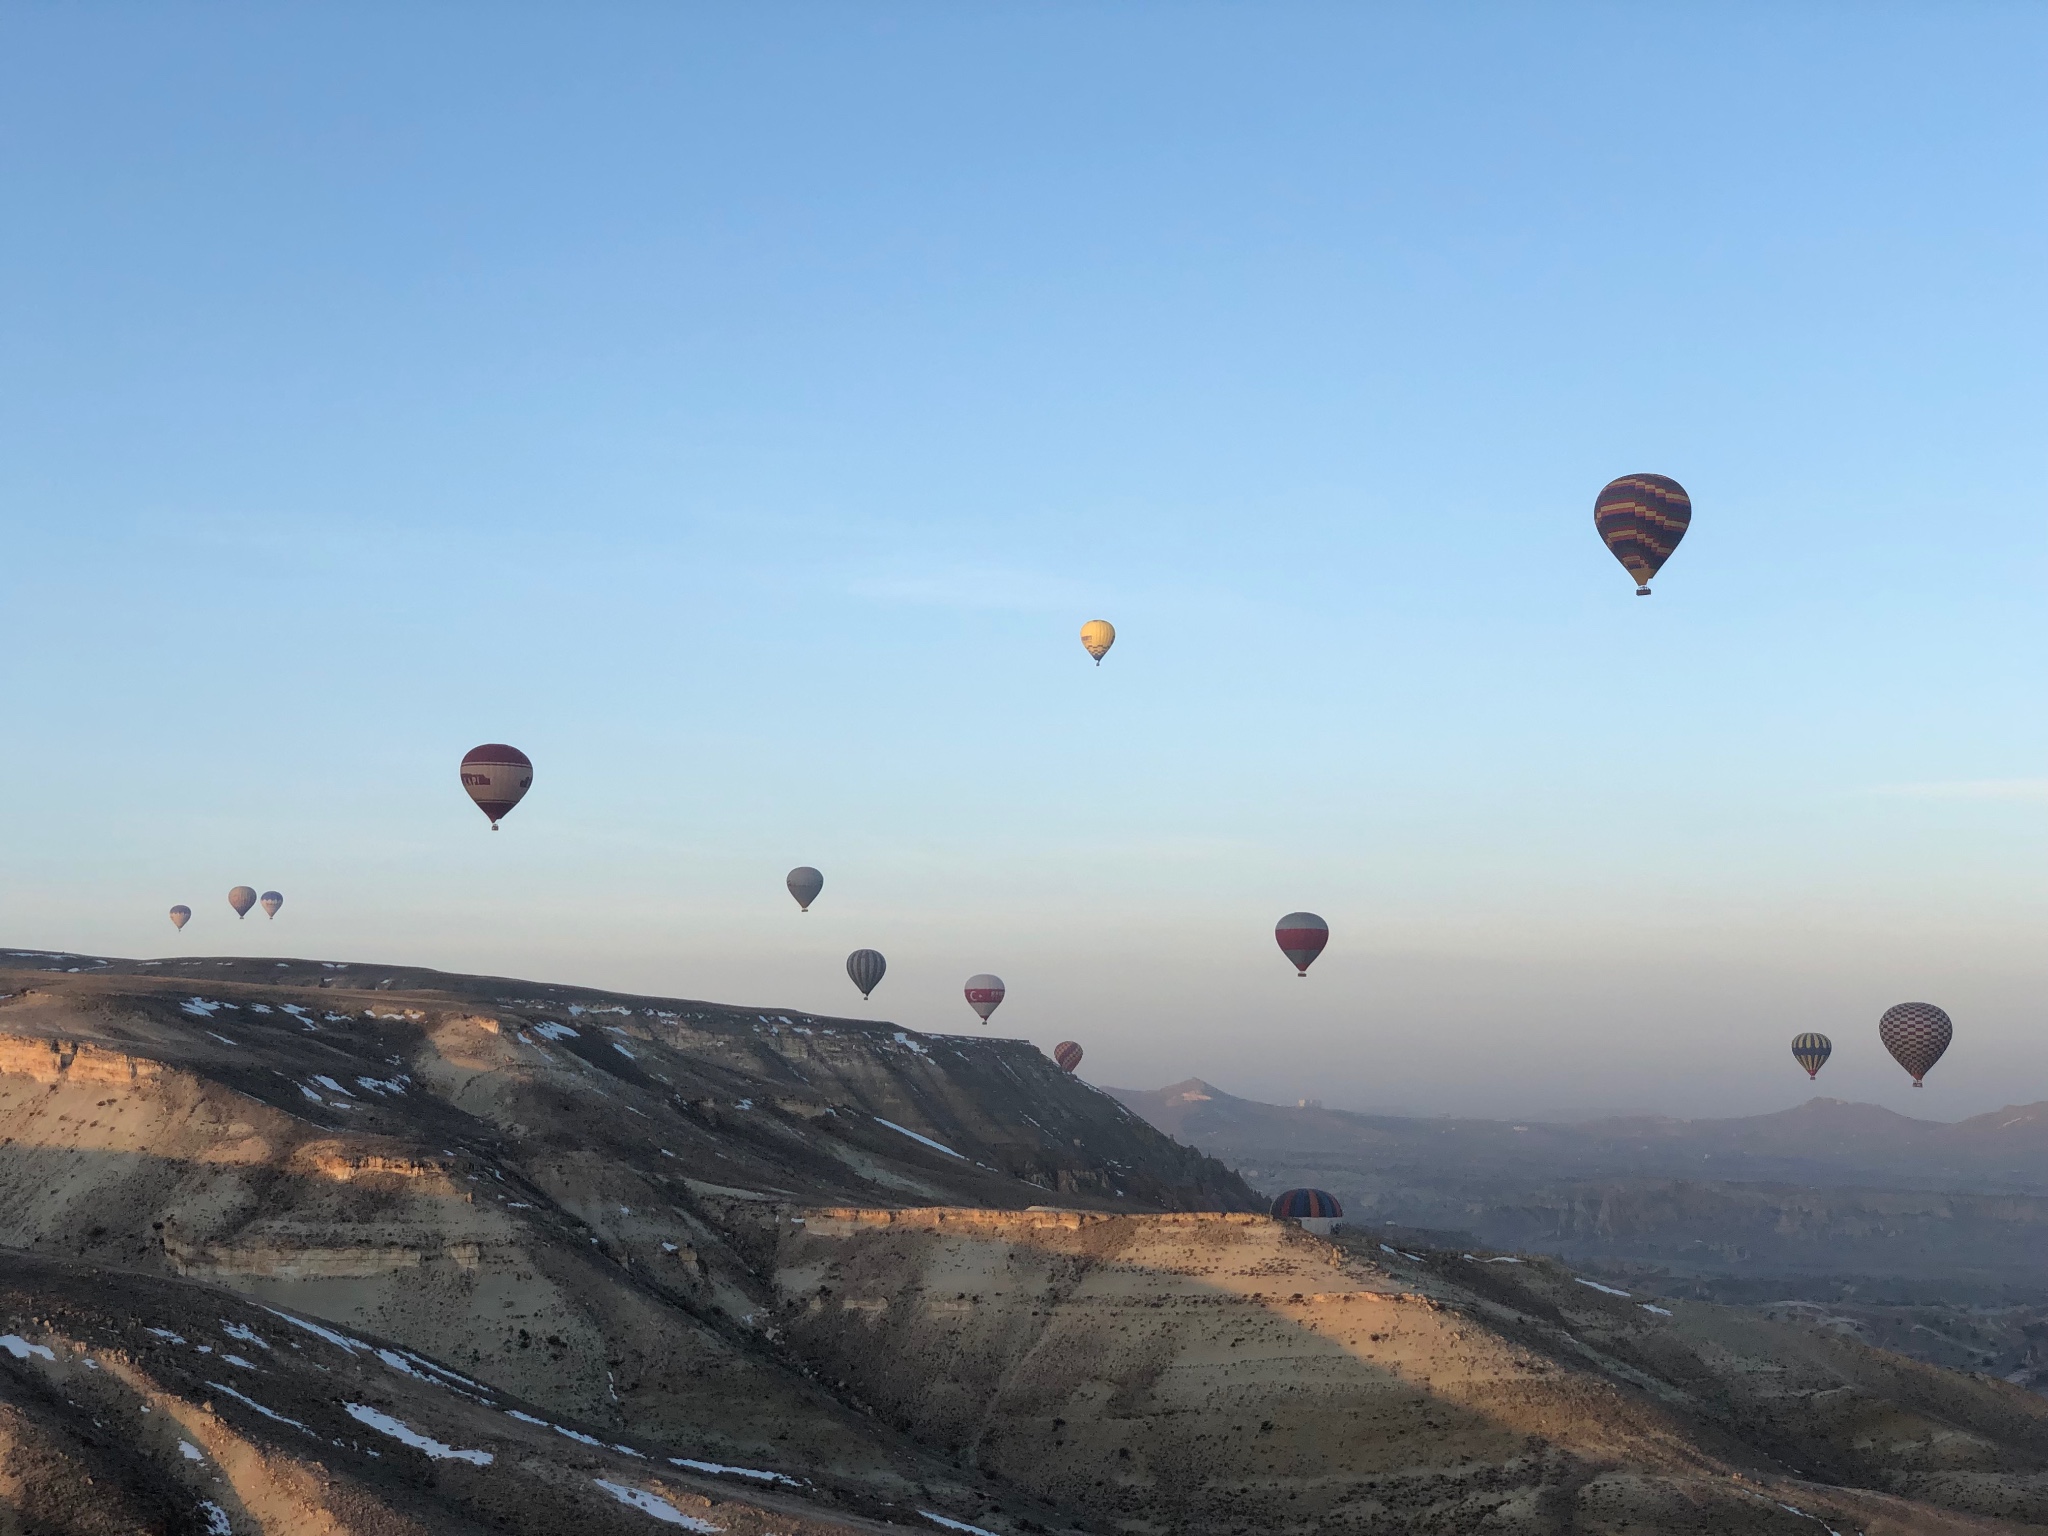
[[1642, 518]]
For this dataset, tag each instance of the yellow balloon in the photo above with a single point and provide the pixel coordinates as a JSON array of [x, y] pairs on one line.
[[1098, 635]]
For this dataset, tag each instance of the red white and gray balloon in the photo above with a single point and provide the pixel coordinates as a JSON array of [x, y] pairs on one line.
[[1302, 936], [804, 884], [1067, 1054], [866, 966], [180, 915], [1916, 1034], [984, 992], [272, 900], [497, 778], [242, 898]]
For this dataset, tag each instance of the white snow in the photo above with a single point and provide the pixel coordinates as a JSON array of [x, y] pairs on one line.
[[246, 1335], [21, 1349], [165, 1333], [259, 1008], [1605, 1290], [382, 1084], [223, 1039], [525, 1418], [238, 1360], [548, 1031], [653, 1504], [199, 1007], [190, 1451], [576, 1434], [719, 1466], [216, 1519], [397, 1362], [903, 1039], [384, 1424], [1503, 1259], [938, 1146], [623, 1051], [1660, 1311], [955, 1525], [251, 1402], [331, 1085], [311, 1093], [340, 1341]]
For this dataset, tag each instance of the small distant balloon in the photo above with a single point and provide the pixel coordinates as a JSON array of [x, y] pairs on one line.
[[180, 915], [1067, 1054], [272, 900], [1641, 518], [1302, 936], [804, 884], [1916, 1034], [1812, 1051], [866, 966], [1097, 636], [984, 992], [497, 778], [242, 898]]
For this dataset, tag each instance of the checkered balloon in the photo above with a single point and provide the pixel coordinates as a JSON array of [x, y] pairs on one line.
[[1916, 1034]]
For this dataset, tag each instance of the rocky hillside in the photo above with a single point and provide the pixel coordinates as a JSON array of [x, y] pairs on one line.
[[313, 1247]]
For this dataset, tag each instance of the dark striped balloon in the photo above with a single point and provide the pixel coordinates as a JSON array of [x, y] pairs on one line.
[[1297, 1203], [497, 778], [1812, 1051], [1067, 1054], [1916, 1034], [1302, 936], [865, 966], [1642, 518]]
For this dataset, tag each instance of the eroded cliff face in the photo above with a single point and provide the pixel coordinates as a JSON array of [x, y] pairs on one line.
[[1221, 1373]]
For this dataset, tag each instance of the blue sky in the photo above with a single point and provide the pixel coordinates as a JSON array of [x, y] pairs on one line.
[[741, 408]]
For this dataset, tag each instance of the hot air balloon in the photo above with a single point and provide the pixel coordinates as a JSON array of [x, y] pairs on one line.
[[804, 884], [1314, 1210], [180, 915], [983, 993], [1302, 936], [1642, 518], [1812, 1051], [1067, 1054], [1916, 1034], [242, 898], [1098, 635], [497, 778], [272, 900], [865, 966]]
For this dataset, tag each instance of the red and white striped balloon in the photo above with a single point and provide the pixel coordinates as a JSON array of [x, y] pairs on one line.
[[1302, 936]]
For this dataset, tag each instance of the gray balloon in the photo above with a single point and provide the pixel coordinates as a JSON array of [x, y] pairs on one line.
[[804, 884], [180, 915], [242, 898], [865, 966]]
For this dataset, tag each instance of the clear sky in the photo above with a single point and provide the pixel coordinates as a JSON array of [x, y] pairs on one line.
[[741, 407]]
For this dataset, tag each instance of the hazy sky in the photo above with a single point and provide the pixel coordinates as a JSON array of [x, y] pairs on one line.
[[740, 409]]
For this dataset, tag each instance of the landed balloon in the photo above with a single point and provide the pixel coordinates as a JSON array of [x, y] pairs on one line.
[[1642, 518], [497, 778], [984, 992], [180, 915], [272, 900], [1916, 1034], [804, 884], [242, 898], [1067, 1054], [1302, 936], [866, 966], [1812, 1051], [1097, 636]]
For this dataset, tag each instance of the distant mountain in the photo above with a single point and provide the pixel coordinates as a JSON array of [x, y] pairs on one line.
[[1825, 1188]]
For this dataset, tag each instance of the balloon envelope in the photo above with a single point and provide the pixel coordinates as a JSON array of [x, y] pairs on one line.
[[1916, 1034], [1812, 1051], [272, 900], [1067, 1054], [497, 778], [866, 966], [242, 898], [983, 993], [1302, 936], [1297, 1203], [1641, 518], [180, 915], [1097, 636], [804, 884]]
